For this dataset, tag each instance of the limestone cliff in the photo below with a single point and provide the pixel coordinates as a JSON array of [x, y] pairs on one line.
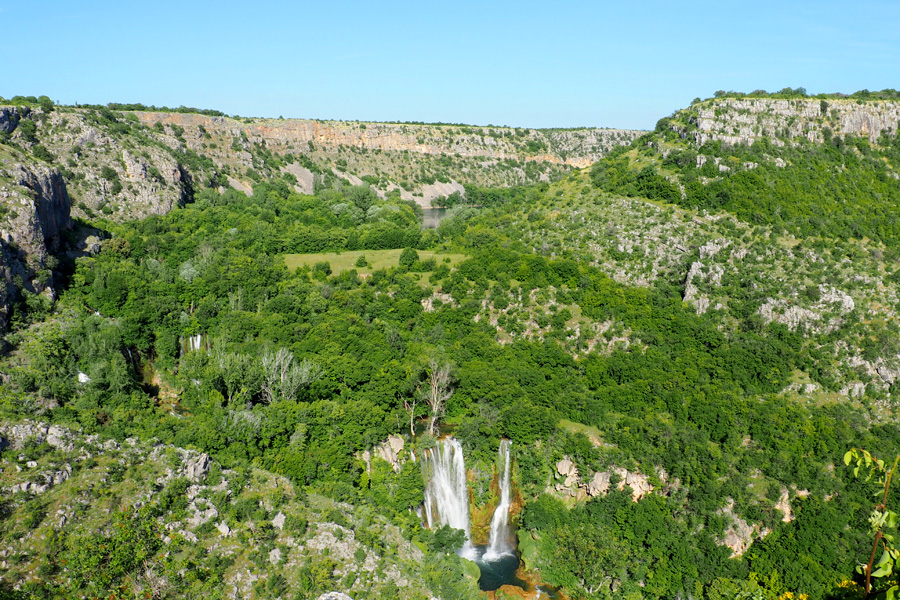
[[745, 120], [34, 213], [575, 147], [9, 118], [420, 161], [126, 165]]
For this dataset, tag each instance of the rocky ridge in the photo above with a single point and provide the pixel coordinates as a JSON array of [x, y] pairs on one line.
[[573, 147], [126, 165], [745, 120], [572, 485]]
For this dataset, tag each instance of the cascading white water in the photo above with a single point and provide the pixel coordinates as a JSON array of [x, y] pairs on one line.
[[446, 490], [196, 342], [499, 541]]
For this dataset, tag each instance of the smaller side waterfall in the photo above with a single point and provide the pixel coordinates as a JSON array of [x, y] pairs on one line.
[[499, 540], [192, 343], [196, 342]]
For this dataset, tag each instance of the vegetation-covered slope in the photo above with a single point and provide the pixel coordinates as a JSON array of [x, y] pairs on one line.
[[813, 167], [141, 519]]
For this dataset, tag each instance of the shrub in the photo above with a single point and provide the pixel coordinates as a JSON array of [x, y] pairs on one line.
[[408, 257], [321, 269], [42, 153]]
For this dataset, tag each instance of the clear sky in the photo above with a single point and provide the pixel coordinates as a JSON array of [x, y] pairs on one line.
[[531, 64]]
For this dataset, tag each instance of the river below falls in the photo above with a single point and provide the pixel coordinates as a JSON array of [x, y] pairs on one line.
[[505, 571]]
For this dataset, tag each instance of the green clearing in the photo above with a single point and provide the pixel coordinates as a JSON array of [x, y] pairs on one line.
[[591, 432], [377, 259]]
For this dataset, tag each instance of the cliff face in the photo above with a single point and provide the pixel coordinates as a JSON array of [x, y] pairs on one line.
[[46, 208], [744, 120], [126, 165], [35, 213], [575, 147], [9, 118]]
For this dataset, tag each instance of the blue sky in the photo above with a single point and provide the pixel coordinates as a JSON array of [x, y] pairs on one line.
[[530, 64]]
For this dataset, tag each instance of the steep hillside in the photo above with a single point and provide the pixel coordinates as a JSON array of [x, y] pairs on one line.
[[82, 515], [129, 164], [783, 121], [763, 211], [34, 217], [841, 296]]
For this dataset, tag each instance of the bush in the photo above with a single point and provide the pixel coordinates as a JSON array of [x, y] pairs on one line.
[[42, 153], [28, 129], [321, 270], [408, 257], [174, 497], [296, 524], [445, 540]]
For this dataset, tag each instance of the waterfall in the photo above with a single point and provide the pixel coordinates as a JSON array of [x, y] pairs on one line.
[[191, 343], [196, 342], [446, 490], [499, 540]]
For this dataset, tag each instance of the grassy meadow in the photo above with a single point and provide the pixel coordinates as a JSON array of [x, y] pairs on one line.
[[376, 259]]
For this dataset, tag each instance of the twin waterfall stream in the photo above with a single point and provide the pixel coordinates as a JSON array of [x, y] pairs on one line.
[[447, 503], [499, 541]]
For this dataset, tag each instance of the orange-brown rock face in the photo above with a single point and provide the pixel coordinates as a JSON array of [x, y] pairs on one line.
[[574, 147], [532, 590]]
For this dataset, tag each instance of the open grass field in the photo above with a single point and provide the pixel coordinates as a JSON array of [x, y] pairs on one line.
[[591, 432], [377, 259]]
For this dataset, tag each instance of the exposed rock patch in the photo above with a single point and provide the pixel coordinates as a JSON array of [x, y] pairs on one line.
[[571, 485], [35, 213], [744, 120]]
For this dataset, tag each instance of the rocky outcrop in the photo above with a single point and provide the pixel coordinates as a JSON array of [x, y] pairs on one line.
[[34, 213], [699, 273], [570, 483], [832, 301], [575, 147], [44, 481], [197, 468], [156, 183], [739, 534], [390, 451], [15, 435], [744, 120], [9, 117], [784, 505]]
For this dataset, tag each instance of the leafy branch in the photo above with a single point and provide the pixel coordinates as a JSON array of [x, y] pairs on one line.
[[874, 469]]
